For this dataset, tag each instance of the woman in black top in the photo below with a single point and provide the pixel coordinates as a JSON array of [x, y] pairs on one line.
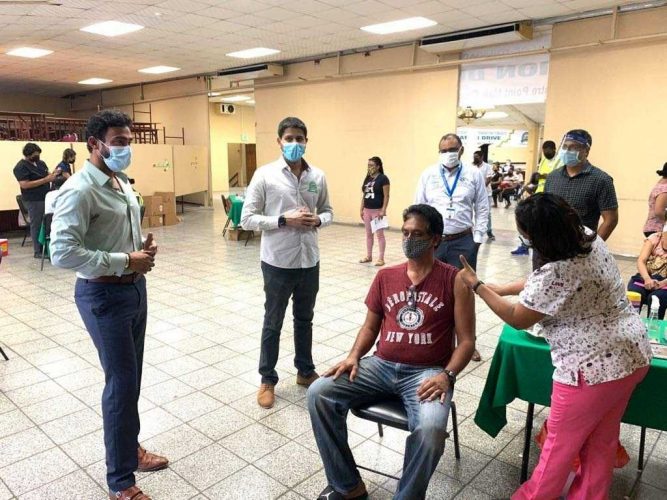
[[35, 181], [65, 167], [374, 201]]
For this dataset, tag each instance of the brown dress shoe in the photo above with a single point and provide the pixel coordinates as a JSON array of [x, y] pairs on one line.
[[306, 381], [132, 493], [266, 396], [149, 462]]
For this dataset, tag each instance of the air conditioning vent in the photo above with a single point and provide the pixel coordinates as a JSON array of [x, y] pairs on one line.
[[490, 35], [253, 72]]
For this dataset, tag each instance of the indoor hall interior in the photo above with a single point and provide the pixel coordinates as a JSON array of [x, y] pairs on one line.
[[200, 377], [206, 83]]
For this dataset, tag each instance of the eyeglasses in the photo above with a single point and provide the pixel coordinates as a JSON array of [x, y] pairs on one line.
[[412, 297]]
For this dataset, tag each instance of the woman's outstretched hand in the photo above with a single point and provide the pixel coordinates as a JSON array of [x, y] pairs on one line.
[[467, 274]]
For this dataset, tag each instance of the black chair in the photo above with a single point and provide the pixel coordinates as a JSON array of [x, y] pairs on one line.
[[2, 351], [26, 217], [47, 237], [391, 412]]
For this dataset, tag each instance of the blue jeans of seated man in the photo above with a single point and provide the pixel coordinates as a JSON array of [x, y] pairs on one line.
[[115, 317], [449, 251], [280, 284], [330, 400]]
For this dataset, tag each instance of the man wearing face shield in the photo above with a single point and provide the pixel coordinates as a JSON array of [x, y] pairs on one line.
[[96, 231], [586, 188], [288, 201], [416, 312]]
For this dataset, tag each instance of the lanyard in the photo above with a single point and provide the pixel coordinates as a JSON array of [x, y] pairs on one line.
[[450, 189]]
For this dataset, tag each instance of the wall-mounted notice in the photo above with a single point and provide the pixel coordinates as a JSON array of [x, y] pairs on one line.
[[517, 80]]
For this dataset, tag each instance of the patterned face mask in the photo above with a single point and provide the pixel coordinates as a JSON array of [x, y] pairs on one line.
[[414, 248]]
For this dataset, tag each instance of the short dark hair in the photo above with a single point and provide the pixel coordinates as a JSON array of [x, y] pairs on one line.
[[378, 161], [478, 152], [291, 122], [434, 223], [30, 149], [553, 226], [68, 153], [548, 144], [583, 133], [449, 136], [100, 122]]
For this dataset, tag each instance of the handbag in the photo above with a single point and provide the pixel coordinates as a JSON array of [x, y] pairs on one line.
[[657, 264]]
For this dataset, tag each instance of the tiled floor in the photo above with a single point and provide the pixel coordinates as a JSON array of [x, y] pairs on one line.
[[198, 401]]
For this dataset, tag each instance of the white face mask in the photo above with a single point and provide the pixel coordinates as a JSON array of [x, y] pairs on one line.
[[449, 160]]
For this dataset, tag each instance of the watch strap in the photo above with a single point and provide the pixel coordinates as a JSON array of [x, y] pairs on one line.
[[477, 285]]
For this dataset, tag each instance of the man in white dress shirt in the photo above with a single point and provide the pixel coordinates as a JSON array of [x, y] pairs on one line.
[[288, 201], [459, 193]]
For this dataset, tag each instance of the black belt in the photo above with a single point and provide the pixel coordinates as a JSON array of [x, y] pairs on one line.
[[125, 279], [456, 236]]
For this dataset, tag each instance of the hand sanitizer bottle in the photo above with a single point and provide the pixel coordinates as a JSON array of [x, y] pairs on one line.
[[653, 322]]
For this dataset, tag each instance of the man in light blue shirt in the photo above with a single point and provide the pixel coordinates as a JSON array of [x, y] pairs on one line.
[[96, 230]]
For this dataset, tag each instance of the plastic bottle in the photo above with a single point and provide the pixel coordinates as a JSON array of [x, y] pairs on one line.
[[653, 322]]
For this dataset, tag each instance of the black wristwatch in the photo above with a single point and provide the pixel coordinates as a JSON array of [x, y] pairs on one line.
[[451, 376], [477, 285], [282, 221]]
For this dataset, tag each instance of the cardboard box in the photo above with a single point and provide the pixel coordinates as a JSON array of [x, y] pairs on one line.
[[156, 221], [154, 205], [4, 247], [238, 234], [171, 219], [168, 201]]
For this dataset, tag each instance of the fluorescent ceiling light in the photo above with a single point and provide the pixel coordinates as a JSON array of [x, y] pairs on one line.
[[410, 23], [112, 28], [251, 101], [214, 94], [494, 115], [252, 53], [95, 81], [156, 70], [29, 52], [236, 98]]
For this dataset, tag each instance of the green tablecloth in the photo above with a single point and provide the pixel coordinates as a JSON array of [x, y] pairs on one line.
[[521, 368], [235, 211]]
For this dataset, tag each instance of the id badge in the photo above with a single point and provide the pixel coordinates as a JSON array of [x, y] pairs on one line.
[[450, 212]]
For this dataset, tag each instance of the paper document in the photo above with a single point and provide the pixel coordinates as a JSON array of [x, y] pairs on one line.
[[379, 223]]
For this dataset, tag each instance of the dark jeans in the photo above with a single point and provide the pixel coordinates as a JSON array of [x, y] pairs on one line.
[[329, 401], [449, 251], [115, 317], [36, 212], [279, 285], [646, 294]]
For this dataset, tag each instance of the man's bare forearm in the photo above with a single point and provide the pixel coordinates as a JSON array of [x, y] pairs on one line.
[[364, 342]]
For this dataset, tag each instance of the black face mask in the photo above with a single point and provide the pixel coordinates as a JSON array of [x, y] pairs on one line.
[[550, 155]]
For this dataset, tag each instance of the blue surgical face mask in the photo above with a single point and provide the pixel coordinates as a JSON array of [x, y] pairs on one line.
[[119, 157], [526, 242], [293, 151], [568, 158]]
